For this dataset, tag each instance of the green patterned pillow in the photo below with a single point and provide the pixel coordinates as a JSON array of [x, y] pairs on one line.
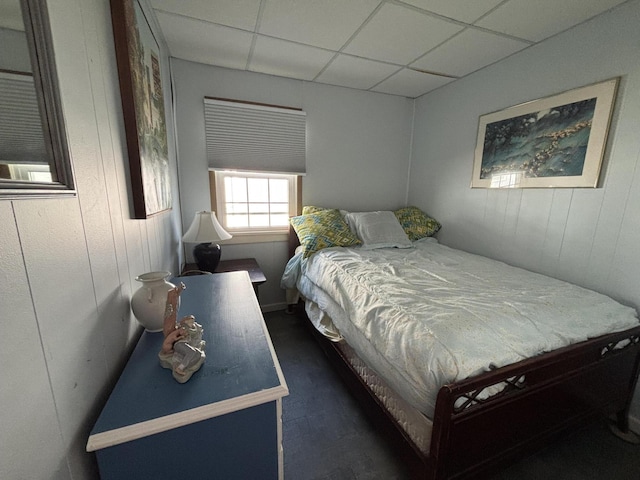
[[321, 230], [416, 223], [307, 209]]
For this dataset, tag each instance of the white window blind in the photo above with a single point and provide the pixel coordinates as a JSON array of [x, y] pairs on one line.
[[250, 137], [21, 137]]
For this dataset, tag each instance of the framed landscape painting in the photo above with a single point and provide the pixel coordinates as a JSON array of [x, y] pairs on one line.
[[138, 58], [557, 141]]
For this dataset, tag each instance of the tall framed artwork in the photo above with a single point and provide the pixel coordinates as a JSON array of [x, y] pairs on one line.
[[557, 141], [138, 58]]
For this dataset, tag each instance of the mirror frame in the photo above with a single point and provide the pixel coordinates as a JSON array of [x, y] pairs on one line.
[[45, 79]]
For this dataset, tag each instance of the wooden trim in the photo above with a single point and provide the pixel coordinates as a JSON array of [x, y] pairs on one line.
[[280, 436], [126, 37], [299, 195], [212, 191], [144, 429], [121, 41], [246, 102]]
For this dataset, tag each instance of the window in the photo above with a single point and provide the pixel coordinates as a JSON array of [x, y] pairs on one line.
[[28, 172], [256, 156], [253, 203], [507, 180]]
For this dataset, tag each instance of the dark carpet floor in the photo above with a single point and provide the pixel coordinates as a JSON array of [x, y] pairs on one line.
[[326, 436]]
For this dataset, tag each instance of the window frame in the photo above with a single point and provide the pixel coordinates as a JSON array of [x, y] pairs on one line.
[[253, 235]]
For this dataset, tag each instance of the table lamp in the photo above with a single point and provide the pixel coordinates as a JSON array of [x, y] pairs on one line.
[[206, 231]]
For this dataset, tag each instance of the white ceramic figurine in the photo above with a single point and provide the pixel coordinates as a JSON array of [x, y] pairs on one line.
[[183, 347]]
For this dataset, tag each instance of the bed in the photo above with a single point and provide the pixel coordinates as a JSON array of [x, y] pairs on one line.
[[465, 362]]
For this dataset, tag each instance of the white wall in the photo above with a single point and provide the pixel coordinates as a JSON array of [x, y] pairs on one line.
[[68, 267], [357, 148], [586, 236]]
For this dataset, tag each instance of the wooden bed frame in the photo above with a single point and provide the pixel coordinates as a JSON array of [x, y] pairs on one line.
[[546, 396]]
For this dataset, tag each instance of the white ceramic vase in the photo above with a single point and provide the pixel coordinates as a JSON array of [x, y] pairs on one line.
[[149, 301]]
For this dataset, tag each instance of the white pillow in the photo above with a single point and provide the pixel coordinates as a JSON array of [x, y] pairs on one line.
[[378, 230]]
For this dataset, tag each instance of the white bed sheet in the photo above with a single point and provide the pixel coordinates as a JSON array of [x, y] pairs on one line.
[[431, 315]]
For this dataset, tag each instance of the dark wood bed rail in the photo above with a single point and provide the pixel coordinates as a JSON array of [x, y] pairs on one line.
[[412, 457], [293, 241]]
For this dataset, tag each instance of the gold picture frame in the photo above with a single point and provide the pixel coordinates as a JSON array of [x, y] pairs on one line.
[[557, 141]]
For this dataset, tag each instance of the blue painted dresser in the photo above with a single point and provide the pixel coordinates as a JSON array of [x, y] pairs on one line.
[[225, 422]]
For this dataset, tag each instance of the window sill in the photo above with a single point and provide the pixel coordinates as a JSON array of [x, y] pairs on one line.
[[258, 237]]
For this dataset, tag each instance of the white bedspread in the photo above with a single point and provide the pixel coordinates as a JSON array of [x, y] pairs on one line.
[[431, 315]]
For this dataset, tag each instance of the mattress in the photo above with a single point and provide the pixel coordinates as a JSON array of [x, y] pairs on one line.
[[432, 315], [416, 425]]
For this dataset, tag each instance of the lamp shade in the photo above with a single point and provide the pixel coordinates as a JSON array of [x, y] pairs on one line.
[[205, 229]]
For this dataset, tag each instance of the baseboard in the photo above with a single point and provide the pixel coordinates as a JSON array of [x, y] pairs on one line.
[[273, 307]]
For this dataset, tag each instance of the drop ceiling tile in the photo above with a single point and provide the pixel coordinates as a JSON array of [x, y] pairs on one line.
[[205, 42], [462, 10], [538, 20], [287, 59], [467, 52], [355, 72], [399, 35], [410, 83], [328, 24], [233, 13]]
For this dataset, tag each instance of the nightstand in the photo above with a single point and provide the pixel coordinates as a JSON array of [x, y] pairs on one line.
[[241, 264]]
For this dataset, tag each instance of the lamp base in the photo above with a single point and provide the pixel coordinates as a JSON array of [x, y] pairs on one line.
[[207, 256]]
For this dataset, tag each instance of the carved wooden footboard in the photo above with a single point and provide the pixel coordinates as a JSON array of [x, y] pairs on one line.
[[544, 397]]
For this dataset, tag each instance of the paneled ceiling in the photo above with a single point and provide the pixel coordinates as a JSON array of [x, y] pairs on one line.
[[405, 48]]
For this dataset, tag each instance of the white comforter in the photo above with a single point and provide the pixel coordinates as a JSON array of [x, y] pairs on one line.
[[431, 315]]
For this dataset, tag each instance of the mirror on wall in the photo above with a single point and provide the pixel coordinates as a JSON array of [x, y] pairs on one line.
[[34, 156]]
